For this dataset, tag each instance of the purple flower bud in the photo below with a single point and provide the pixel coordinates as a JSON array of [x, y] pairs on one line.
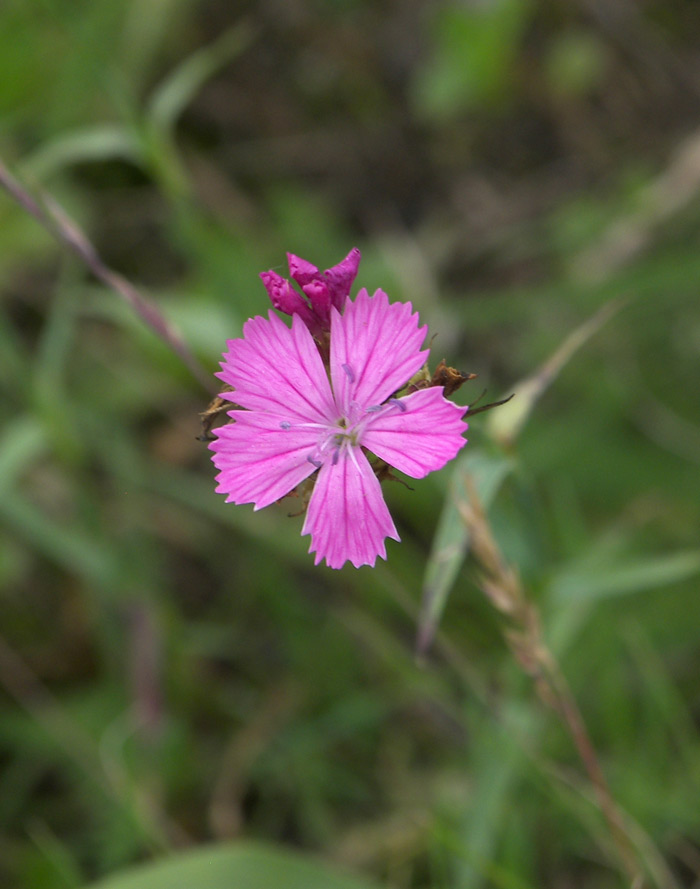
[[340, 278], [285, 298], [322, 290], [301, 270], [319, 297]]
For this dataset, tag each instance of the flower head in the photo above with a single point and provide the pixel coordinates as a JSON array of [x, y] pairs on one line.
[[322, 290], [297, 419]]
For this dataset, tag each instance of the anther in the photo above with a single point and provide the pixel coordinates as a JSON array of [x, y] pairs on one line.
[[285, 424], [317, 463], [349, 372], [399, 404]]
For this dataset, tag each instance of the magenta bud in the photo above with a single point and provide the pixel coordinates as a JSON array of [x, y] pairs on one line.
[[319, 297], [301, 270], [321, 289], [340, 278], [285, 298]]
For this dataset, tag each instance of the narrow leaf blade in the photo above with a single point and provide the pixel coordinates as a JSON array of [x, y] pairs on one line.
[[243, 866], [451, 541]]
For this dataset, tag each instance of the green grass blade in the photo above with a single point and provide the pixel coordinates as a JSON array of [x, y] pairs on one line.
[[625, 578], [61, 542], [451, 541], [505, 424], [23, 441], [179, 88], [89, 144], [241, 866]]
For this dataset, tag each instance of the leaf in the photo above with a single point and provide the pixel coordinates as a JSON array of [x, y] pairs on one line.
[[451, 541], [240, 866], [65, 543], [179, 88], [588, 582], [498, 756], [96, 143], [504, 424], [23, 441], [472, 61], [172, 97]]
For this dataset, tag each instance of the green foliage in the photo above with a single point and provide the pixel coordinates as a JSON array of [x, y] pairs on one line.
[[245, 866], [184, 696], [451, 542], [473, 61]]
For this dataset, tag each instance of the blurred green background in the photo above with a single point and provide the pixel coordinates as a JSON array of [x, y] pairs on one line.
[[174, 672]]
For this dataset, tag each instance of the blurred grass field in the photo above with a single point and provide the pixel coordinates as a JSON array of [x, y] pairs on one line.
[[174, 672]]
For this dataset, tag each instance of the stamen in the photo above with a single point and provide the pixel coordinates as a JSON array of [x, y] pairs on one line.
[[336, 456], [399, 404], [374, 408], [317, 463], [349, 372], [285, 424]]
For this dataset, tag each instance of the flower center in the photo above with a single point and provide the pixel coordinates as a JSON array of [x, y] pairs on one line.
[[347, 431]]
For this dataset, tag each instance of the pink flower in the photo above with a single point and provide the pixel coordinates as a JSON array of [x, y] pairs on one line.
[[322, 290], [296, 422]]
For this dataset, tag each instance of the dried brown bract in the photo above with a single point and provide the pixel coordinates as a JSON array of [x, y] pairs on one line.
[[449, 378], [216, 410]]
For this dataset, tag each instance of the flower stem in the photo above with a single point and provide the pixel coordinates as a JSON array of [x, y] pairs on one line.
[[502, 586], [51, 216]]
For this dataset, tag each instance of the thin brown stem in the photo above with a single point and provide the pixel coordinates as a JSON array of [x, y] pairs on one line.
[[501, 584], [568, 708], [51, 216]]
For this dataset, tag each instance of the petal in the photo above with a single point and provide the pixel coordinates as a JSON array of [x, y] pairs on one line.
[[375, 349], [301, 270], [261, 458], [285, 298], [320, 299], [421, 437], [341, 276], [277, 370], [347, 517]]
